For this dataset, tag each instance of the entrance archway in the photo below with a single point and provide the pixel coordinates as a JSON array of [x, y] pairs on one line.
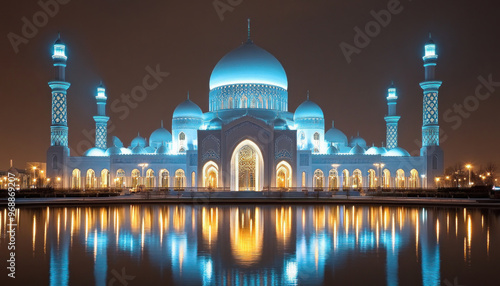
[[247, 167]]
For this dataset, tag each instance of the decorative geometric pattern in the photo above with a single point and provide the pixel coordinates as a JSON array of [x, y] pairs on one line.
[[430, 136], [210, 146], [430, 109], [59, 109], [101, 135], [248, 96], [304, 160], [392, 135], [58, 136], [283, 148]]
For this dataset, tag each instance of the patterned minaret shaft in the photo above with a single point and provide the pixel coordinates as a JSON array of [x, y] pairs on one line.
[[430, 124], [101, 120], [392, 119], [59, 87]]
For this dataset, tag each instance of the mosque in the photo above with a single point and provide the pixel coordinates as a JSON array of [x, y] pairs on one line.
[[248, 140]]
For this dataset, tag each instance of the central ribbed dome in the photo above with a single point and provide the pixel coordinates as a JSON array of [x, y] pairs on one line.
[[248, 64]]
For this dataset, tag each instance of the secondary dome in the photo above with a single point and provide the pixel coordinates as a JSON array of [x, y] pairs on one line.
[[248, 64], [308, 109], [397, 152], [138, 141], [188, 109], [159, 136], [334, 135], [359, 141], [95, 152], [357, 150]]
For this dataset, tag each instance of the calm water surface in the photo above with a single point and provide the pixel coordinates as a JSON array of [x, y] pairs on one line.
[[254, 245]]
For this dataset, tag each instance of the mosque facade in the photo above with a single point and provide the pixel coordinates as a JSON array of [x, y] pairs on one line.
[[248, 140]]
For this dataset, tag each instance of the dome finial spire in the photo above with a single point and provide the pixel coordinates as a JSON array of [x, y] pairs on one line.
[[308, 94], [188, 94], [162, 123], [248, 30]]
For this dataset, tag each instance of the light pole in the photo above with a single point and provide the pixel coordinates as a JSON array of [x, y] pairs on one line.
[[469, 166], [143, 165]]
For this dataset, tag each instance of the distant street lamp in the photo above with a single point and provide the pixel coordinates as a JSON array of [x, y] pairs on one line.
[[469, 166], [423, 181]]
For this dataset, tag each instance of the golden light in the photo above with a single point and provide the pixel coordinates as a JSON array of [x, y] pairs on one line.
[[34, 180], [34, 167], [58, 178], [468, 166]]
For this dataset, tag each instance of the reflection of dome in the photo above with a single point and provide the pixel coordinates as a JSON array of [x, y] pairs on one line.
[[248, 64], [138, 141], [159, 136], [359, 141], [307, 110], [188, 109], [335, 136], [357, 150], [94, 152], [397, 152]]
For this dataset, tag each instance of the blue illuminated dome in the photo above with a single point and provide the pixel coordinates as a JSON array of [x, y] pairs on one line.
[[162, 150], [334, 135], [113, 151], [248, 64], [397, 152], [215, 124], [375, 151], [138, 141], [358, 141], [95, 152], [332, 150], [138, 150], [280, 124], [308, 109], [159, 136], [357, 150], [188, 109]]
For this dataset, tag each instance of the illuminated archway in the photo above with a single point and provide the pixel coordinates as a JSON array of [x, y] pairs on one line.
[[345, 178], [386, 179], [136, 174], [318, 179], [372, 179], [180, 179], [210, 175], [104, 178], [120, 179], [76, 179], [400, 178], [90, 180], [283, 175], [333, 180], [357, 179], [163, 178], [150, 178], [247, 167], [414, 179]]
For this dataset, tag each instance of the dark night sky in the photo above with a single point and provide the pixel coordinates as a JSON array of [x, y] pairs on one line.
[[114, 40]]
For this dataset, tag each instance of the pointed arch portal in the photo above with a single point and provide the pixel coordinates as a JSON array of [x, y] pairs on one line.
[[247, 167]]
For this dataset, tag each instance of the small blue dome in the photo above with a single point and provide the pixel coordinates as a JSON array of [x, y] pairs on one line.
[[248, 64], [149, 150], [138, 141], [116, 142], [332, 150], [162, 150], [95, 152], [308, 110], [188, 109], [357, 150], [215, 124], [397, 152], [375, 151], [358, 141], [333, 135], [280, 124], [125, 151], [159, 136], [138, 150], [113, 151]]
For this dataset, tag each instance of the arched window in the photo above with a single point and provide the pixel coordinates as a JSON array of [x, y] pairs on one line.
[[104, 178], [180, 179], [333, 180], [182, 142], [400, 179], [414, 179], [261, 104], [357, 179], [150, 178], [434, 162], [302, 140], [283, 175], [318, 179], [120, 179], [253, 103], [210, 175], [76, 179], [316, 142], [303, 179], [54, 162], [136, 174], [243, 102], [164, 174], [372, 179], [193, 179], [90, 180], [230, 102], [386, 179], [345, 178]]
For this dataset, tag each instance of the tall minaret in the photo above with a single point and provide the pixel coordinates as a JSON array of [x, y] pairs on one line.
[[430, 125], [101, 120], [391, 120], [59, 86], [58, 151]]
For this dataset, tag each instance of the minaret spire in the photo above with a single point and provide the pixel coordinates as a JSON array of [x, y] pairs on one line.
[[307, 94], [248, 39], [188, 95], [101, 120], [392, 119]]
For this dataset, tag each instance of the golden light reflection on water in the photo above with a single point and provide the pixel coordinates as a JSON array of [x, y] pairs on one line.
[[249, 235]]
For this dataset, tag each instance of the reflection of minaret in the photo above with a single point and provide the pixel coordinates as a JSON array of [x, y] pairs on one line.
[[392, 119], [59, 261], [430, 254], [100, 258], [392, 258]]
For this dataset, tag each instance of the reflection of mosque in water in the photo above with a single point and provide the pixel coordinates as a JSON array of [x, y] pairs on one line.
[[214, 245]]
